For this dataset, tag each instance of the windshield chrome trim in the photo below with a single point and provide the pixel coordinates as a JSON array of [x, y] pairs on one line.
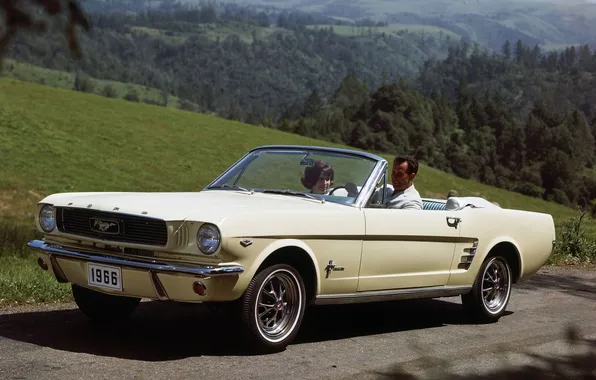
[[351, 152], [369, 187], [366, 191]]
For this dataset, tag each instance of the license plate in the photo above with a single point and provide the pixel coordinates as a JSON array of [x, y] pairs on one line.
[[105, 276]]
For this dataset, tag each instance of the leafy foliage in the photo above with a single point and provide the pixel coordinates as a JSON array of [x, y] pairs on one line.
[[20, 17], [573, 244]]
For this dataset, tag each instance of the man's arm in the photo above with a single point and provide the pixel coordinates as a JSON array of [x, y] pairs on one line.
[[414, 204], [406, 204]]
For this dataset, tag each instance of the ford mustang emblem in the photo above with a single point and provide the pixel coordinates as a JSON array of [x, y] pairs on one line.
[[105, 226]]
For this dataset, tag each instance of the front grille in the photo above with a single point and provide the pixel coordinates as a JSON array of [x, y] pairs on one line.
[[118, 227]]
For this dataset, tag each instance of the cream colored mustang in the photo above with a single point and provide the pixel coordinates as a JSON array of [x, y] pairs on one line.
[[258, 239]]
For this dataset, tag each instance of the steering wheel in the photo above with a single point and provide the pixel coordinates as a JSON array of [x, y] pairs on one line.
[[338, 187]]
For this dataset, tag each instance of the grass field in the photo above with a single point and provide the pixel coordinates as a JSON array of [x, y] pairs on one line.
[[347, 30], [56, 140], [212, 32], [142, 30], [61, 79]]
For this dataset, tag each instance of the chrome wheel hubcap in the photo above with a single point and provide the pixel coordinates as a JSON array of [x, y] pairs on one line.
[[495, 286], [278, 306]]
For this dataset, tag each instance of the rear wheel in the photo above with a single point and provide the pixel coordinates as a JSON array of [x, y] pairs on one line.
[[491, 291], [273, 307], [103, 308]]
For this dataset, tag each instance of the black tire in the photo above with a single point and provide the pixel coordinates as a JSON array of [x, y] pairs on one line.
[[494, 281], [101, 307], [281, 333]]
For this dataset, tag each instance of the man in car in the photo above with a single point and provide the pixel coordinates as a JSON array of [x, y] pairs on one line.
[[404, 194]]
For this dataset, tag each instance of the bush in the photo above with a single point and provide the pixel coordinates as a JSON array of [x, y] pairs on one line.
[[573, 245], [109, 91], [14, 235], [132, 95]]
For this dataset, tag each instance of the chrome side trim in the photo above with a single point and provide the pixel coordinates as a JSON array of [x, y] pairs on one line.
[[392, 295], [208, 271]]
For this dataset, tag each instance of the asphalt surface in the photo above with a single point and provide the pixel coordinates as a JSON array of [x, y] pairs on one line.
[[407, 339]]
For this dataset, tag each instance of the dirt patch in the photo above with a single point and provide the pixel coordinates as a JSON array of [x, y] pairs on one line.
[[19, 204]]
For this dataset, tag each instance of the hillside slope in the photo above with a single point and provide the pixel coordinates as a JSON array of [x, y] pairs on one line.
[[62, 79], [55, 140]]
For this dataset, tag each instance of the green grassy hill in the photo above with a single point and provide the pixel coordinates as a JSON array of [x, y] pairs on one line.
[[56, 140]]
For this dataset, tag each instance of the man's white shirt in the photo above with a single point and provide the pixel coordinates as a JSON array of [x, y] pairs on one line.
[[408, 199]]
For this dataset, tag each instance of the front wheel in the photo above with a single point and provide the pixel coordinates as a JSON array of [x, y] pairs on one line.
[[491, 291], [273, 307]]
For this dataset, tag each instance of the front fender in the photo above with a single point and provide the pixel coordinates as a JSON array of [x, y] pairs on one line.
[[284, 243]]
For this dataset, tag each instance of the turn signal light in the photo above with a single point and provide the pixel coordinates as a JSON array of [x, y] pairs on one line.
[[199, 288]]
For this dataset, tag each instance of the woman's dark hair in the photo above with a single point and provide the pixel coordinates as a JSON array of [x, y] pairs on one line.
[[313, 173]]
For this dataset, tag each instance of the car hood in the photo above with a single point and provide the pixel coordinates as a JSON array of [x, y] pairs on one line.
[[208, 206]]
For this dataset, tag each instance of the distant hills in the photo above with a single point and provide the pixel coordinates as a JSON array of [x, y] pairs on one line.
[[551, 24]]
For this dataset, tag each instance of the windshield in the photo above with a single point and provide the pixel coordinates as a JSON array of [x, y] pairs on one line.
[[332, 176]]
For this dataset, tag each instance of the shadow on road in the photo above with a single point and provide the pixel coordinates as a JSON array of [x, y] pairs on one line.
[[579, 362], [159, 332], [554, 279], [348, 321]]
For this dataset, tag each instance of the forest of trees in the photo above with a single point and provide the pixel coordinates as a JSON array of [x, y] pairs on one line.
[[519, 118], [236, 62]]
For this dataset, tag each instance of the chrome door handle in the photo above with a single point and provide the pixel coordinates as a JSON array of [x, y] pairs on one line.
[[453, 221]]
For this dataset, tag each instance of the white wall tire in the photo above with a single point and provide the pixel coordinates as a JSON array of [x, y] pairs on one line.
[[491, 291], [273, 307]]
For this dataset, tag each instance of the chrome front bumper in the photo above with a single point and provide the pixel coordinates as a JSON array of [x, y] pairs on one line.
[[204, 272], [148, 279]]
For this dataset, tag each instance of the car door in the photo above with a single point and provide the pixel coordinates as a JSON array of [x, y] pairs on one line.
[[407, 248]]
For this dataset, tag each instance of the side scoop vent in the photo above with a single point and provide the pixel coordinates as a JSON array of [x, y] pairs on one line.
[[468, 256]]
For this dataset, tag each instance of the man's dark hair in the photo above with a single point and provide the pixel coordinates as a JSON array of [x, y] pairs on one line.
[[412, 163]]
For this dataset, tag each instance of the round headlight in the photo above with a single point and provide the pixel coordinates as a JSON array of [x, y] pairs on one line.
[[47, 218], [208, 239]]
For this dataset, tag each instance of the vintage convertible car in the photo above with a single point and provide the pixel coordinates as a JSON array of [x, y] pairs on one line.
[[256, 239]]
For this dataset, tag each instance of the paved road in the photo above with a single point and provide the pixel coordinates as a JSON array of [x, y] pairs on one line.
[[418, 338]]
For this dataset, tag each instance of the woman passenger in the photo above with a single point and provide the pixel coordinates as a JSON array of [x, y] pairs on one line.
[[318, 178]]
